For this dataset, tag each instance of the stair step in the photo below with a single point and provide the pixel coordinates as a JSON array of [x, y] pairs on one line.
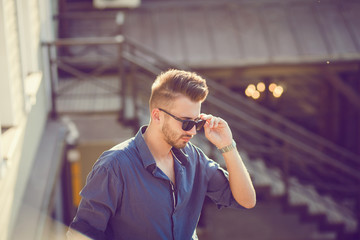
[[322, 208], [317, 204]]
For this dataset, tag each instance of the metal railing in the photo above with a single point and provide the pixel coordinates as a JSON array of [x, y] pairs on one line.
[[72, 57]]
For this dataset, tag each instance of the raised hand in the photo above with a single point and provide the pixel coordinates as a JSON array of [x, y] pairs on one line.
[[217, 131]]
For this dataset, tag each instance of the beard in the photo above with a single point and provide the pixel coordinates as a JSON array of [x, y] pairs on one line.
[[173, 138]]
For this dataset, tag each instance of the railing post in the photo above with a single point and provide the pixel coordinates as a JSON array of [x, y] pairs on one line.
[[52, 81], [134, 94], [123, 84], [128, 93]]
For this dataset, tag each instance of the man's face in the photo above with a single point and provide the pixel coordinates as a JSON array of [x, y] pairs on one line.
[[182, 108]]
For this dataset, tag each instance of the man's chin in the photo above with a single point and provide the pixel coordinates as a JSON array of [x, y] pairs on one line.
[[180, 145]]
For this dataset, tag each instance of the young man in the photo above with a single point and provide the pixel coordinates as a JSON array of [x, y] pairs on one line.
[[153, 186]]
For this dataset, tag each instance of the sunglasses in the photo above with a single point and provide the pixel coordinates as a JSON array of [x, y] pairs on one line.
[[187, 125]]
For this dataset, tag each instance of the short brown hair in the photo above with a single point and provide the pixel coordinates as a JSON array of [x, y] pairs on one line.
[[170, 84]]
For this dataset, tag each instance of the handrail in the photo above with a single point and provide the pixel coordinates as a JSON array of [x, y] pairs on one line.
[[279, 134], [283, 121], [86, 41]]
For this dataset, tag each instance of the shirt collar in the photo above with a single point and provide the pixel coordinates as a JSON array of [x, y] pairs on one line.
[[181, 155], [146, 156]]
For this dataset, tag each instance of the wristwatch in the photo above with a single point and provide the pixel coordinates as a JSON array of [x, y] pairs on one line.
[[228, 148]]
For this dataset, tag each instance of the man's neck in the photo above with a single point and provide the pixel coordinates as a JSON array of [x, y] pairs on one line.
[[157, 146]]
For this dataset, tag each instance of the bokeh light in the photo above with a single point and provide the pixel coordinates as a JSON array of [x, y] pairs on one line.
[[278, 91], [272, 87], [260, 87]]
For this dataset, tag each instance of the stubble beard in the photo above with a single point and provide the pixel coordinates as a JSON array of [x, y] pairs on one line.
[[172, 138]]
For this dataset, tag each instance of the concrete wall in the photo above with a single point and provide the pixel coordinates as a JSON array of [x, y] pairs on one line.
[[11, 87], [20, 146]]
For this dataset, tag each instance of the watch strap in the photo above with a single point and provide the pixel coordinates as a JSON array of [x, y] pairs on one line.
[[228, 148]]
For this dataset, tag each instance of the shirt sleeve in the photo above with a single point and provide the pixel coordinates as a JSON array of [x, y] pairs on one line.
[[218, 189], [100, 198]]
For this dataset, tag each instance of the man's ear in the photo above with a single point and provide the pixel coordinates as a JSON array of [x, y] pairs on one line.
[[155, 115]]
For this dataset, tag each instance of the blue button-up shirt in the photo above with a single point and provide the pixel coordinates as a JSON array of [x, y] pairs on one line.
[[128, 195]]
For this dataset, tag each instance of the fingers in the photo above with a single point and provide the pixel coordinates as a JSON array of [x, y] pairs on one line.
[[212, 121]]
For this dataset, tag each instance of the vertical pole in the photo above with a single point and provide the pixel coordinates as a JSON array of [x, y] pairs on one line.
[[122, 81], [136, 120], [119, 20], [73, 157], [52, 83], [67, 192]]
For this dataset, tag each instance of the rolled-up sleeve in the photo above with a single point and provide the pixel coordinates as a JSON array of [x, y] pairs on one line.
[[100, 198], [218, 189]]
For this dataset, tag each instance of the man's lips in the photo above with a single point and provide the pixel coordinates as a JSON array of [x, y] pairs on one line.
[[186, 138]]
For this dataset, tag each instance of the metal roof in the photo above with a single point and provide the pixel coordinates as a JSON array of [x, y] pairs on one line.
[[243, 33]]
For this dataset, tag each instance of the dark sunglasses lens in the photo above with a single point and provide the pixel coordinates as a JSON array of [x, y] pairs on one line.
[[188, 125], [200, 124]]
